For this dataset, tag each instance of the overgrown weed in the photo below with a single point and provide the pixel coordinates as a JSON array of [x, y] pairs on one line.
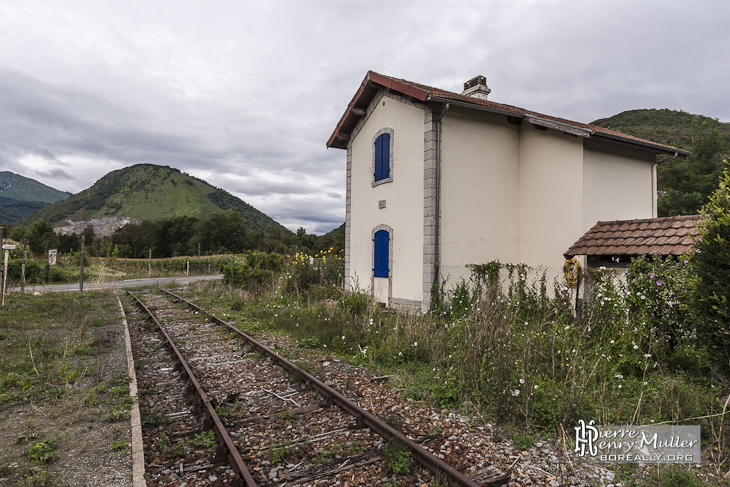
[[511, 346]]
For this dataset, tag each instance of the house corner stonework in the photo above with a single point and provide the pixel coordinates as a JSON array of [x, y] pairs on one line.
[[430, 200], [348, 214]]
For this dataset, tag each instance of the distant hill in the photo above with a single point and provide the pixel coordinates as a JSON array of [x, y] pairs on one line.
[[21, 196], [150, 192], [673, 127], [334, 239]]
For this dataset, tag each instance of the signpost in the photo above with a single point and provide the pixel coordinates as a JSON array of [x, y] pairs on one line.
[[52, 255], [7, 248]]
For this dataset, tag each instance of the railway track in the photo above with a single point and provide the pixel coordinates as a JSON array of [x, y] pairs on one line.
[[221, 408]]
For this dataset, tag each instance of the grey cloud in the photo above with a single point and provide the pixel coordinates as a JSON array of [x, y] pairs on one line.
[[54, 174], [245, 95]]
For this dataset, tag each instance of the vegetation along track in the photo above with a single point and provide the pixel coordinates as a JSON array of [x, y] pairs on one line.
[[289, 428]]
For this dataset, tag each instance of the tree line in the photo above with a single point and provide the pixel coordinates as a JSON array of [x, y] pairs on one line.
[[685, 185], [220, 233]]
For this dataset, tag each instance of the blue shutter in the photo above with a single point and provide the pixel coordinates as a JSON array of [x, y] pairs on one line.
[[381, 247], [379, 158], [386, 156], [382, 157]]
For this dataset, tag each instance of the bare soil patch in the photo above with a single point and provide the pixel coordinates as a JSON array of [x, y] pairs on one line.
[[64, 404]]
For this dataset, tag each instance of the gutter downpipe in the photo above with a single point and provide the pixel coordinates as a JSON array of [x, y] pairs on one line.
[[437, 211]]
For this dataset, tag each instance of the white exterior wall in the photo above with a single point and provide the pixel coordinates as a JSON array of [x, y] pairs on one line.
[[616, 185], [508, 192], [403, 198], [551, 195], [479, 188]]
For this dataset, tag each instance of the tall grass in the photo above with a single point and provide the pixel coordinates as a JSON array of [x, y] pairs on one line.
[[516, 352]]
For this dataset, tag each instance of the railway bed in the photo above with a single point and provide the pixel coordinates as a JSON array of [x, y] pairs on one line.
[[260, 420]]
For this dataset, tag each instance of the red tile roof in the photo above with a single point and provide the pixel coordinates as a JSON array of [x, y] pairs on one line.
[[664, 236], [373, 82]]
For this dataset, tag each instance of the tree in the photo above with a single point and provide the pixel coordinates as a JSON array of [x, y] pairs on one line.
[[40, 237], [712, 265], [223, 232], [130, 239], [685, 185]]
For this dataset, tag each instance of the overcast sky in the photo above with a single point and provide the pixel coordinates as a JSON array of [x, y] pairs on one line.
[[245, 94]]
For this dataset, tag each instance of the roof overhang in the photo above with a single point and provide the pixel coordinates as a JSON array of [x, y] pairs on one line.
[[357, 108], [564, 127], [373, 82]]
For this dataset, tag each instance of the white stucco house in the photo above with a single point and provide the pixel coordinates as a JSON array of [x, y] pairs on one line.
[[437, 179]]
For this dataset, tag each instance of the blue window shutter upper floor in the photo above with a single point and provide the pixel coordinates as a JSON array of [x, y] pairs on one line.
[[381, 248], [382, 157]]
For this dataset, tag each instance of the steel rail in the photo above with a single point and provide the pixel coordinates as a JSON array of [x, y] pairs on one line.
[[234, 457], [363, 417]]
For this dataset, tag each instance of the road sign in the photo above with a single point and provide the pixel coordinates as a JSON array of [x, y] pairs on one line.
[[8, 247]]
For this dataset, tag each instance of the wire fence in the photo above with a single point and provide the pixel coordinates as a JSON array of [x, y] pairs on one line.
[[201, 268]]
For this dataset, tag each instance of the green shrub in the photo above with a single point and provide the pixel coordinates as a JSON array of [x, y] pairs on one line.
[[523, 442], [397, 457], [712, 266], [355, 303], [41, 451], [658, 300], [205, 440], [258, 269]]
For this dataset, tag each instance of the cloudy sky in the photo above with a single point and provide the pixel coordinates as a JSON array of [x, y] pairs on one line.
[[244, 94]]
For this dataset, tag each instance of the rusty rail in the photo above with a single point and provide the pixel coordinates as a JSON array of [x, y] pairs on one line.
[[363, 417], [227, 446]]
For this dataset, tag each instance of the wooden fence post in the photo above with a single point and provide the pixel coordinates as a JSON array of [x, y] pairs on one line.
[[81, 264], [22, 269]]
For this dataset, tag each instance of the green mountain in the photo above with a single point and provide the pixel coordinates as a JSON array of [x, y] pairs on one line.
[[673, 127], [21, 196], [150, 192]]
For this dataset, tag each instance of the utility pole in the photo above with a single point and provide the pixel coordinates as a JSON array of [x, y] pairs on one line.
[[149, 265], [81, 266]]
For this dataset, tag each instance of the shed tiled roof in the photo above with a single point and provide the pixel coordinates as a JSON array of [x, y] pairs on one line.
[[664, 236], [373, 82]]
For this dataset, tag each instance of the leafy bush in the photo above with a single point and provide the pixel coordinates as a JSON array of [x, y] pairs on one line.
[[397, 457], [658, 299], [258, 270], [299, 273], [41, 451], [712, 265], [523, 442]]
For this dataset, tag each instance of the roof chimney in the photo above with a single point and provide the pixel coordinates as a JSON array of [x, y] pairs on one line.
[[477, 88]]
